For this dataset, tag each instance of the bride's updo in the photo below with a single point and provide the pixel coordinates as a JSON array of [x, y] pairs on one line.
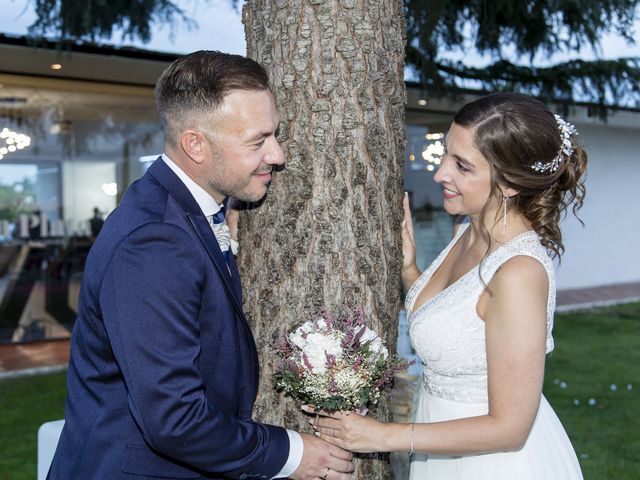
[[523, 142]]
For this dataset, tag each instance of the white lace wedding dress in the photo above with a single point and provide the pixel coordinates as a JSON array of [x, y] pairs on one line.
[[448, 335]]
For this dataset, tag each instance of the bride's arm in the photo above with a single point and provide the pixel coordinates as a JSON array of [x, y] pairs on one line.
[[515, 338]]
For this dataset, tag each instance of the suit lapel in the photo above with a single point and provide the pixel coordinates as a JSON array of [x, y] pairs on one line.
[[235, 276], [165, 176], [208, 239], [161, 172], [234, 292]]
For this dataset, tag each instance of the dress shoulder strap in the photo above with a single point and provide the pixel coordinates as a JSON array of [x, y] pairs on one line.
[[527, 244]]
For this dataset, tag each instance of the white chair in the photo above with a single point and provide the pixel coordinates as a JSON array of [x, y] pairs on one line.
[[48, 436]]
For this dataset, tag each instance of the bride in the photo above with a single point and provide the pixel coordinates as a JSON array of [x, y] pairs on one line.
[[480, 317]]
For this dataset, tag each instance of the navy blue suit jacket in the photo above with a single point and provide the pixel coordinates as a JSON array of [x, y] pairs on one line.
[[163, 371]]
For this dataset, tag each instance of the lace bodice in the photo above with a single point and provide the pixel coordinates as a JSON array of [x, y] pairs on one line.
[[447, 333]]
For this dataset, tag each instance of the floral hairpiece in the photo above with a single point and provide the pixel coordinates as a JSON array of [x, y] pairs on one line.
[[566, 131]]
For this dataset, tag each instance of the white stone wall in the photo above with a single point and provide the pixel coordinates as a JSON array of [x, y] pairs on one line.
[[607, 249]]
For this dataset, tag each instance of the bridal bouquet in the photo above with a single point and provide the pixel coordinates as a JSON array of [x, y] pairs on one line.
[[335, 363]]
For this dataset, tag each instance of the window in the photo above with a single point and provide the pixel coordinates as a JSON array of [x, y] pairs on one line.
[[85, 140], [432, 225]]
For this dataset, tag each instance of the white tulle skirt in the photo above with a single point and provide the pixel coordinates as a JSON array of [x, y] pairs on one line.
[[547, 454]]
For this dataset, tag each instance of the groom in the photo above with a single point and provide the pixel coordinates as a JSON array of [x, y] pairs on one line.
[[164, 370]]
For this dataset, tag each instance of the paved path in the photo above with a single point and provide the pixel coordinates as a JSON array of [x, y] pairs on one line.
[[34, 357], [597, 296]]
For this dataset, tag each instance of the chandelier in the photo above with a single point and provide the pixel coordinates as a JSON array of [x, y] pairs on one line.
[[11, 141], [432, 152]]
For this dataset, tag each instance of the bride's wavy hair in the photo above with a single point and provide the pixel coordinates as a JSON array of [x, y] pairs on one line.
[[513, 132]]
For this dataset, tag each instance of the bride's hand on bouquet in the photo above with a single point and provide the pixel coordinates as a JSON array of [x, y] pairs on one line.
[[347, 430]]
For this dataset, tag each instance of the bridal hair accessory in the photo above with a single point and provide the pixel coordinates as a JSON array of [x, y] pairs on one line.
[[566, 131]]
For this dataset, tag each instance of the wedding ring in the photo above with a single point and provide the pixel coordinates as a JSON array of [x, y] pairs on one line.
[[333, 432], [326, 474]]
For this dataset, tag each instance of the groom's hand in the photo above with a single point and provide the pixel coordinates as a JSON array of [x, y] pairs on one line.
[[323, 460]]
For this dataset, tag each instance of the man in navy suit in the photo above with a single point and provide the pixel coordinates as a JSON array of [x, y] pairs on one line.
[[164, 371]]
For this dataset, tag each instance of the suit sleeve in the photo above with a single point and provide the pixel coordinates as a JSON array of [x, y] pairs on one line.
[[150, 301]]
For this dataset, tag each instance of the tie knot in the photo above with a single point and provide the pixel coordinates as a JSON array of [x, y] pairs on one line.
[[218, 217]]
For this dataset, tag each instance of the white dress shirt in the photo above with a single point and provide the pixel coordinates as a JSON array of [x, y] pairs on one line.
[[210, 207], [205, 201]]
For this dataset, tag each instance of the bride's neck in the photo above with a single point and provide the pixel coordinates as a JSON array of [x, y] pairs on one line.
[[494, 233]]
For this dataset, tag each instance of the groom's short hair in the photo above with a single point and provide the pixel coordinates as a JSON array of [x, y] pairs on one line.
[[194, 86]]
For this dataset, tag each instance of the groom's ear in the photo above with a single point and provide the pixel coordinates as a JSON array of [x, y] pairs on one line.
[[195, 145]]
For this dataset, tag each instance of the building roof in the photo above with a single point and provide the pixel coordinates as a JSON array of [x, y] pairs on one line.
[[20, 55], [93, 62]]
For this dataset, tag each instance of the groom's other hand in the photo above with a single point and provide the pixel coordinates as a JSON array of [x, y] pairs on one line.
[[323, 460]]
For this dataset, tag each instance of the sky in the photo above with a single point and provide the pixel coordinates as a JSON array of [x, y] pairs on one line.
[[220, 28]]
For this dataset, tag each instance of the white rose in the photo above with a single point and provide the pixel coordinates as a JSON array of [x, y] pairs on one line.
[[375, 343], [318, 346], [378, 348], [307, 327], [297, 339], [322, 324]]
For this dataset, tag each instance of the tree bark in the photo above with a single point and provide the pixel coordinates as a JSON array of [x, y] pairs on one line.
[[328, 235]]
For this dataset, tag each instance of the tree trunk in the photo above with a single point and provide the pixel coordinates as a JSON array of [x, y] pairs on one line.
[[328, 236]]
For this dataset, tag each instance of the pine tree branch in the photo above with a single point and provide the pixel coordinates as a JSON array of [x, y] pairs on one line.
[[605, 82], [92, 20], [436, 28]]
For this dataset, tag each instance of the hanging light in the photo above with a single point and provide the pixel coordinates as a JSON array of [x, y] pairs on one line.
[[433, 151], [434, 136], [11, 141]]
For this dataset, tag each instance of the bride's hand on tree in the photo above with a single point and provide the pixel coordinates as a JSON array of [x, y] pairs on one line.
[[410, 272], [349, 430]]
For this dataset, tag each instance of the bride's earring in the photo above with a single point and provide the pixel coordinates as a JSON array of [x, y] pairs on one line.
[[505, 199]]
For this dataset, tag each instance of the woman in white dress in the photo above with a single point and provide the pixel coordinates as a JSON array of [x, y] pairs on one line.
[[480, 317]]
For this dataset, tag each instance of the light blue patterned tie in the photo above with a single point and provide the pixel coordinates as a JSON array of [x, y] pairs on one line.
[[218, 219]]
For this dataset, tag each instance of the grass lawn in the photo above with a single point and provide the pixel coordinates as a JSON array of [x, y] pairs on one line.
[[592, 381], [25, 404]]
